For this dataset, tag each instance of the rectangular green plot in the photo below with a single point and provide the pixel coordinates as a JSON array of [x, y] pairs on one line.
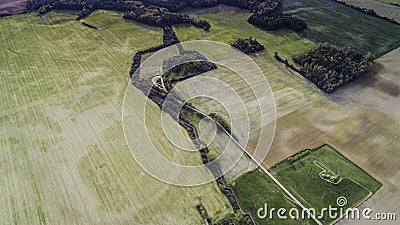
[[320, 177], [255, 189]]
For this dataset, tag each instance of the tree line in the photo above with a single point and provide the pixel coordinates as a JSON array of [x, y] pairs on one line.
[[159, 16], [274, 22], [142, 11], [164, 12], [329, 66], [266, 13]]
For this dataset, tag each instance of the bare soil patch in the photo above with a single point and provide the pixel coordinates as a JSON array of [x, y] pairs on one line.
[[11, 7], [362, 121]]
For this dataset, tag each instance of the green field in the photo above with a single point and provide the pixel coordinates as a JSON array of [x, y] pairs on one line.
[[303, 179], [380, 8], [64, 156], [255, 189], [228, 25], [332, 22]]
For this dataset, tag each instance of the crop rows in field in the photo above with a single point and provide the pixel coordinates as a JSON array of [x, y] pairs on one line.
[[64, 156], [303, 178], [229, 24], [290, 93], [329, 21], [380, 8]]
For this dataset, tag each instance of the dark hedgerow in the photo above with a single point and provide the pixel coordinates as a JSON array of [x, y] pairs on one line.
[[279, 21], [248, 45], [329, 66]]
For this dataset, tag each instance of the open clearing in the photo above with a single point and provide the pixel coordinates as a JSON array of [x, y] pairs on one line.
[[380, 8], [303, 178], [360, 121], [228, 24], [329, 21], [254, 189], [63, 153]]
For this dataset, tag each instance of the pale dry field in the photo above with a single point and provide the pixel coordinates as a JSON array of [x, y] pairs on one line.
[[63, 157], [290, 92], [362, 122]]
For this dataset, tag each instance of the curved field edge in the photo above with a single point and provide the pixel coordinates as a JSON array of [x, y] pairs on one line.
[[256, 190], [229, 23], [64, 156]]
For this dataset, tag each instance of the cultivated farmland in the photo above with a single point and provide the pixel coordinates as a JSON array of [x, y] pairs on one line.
[[380, 8], [329, 21], [320, 176], [63, 152], [255, 189], [228, 24], [290, 92], [360, 121]]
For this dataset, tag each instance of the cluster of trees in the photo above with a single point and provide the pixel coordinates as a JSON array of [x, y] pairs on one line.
[[265, 13], [252, 5], [169, 36], [190, 63], [329, 66], [159, 16], [150, 12], [164, 12], [172, 5], [298, 156], [187, 70], [85, 6], [203, 212], [248, 45], [221, 121], [274, 22]]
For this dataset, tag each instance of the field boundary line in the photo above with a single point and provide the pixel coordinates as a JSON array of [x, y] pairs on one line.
[[274, 179]]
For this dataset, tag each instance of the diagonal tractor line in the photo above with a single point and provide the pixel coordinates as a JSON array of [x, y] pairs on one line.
[[266, 172], [275, 180]]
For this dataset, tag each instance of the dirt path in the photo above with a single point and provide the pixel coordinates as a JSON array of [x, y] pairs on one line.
[[362, 121]]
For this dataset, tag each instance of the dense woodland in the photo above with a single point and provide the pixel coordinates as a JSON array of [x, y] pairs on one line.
[[248, 45], [187, 70], [329, 67], [278, 21], [159, 16], [266, 13], [142, 11], [164, 12]]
